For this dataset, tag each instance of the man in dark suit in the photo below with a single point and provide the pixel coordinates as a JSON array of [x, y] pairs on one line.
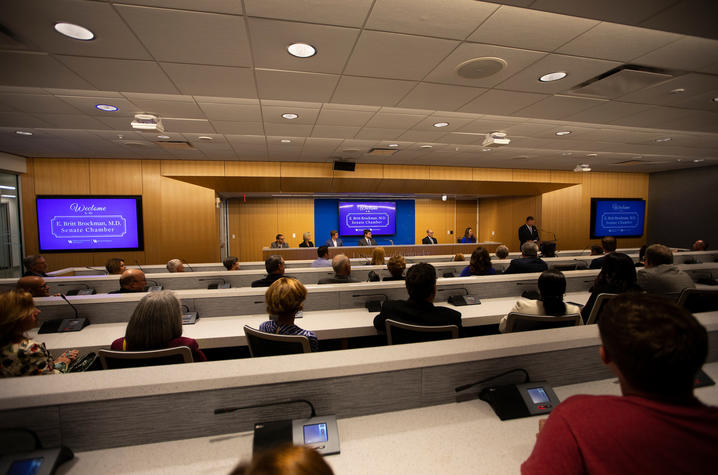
[[334, 240], [419, 309], [342, 271], [528, 262], [429, 239], [528, 232], [609, 244], [35, 265], [275, 270], [367, 239]]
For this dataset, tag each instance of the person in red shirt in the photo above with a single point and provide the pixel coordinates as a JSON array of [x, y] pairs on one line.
[[658, 425]]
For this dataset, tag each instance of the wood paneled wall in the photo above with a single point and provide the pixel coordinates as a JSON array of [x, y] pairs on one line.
[[499, 218]]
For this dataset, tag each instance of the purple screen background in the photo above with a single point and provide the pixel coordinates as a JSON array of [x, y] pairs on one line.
[[356, 216], [73, 224]]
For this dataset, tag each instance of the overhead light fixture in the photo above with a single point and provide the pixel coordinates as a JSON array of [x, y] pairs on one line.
[[6, 187], [592, 155], [147, 122], [425, 146], [23, 132], [8, 196], [495, 139], [444, 197], [715, 99], [393, 144], [485, 149], [302, 50], [566, 154], [678, 90], [205, 138], [664, 139], [553, 76], [76, 32], [290, 116], [107, 107], [698, 160], [563, 132], [286, 141], [163, 136], [441, 124], [583, 167]]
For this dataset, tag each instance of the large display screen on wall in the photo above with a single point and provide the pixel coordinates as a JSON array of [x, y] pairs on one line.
[[620, 217], [356, 216], [89, 223]]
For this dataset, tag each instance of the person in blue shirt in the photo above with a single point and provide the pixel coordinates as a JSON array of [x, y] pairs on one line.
[[480, 264], [322, 257], [468, 236], [284, 299]]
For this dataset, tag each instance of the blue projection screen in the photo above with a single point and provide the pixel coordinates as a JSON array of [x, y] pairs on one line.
[[356, 216], [89, 223], [619, 217]]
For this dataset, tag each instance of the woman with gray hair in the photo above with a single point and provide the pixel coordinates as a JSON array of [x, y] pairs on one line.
[[155, 324], [175, 265]]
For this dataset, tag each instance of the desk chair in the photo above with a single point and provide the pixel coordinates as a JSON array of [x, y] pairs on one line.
[[399, 332], [270, 344], [563, 267], [598, 307], [699, 300], [110, 359], [519, 322]]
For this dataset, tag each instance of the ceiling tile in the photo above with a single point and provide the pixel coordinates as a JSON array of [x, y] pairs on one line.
[[695, 18], [500, 102], [295, 86], [232, 112], [370, 133], [176, 109], [394, 121], [39, 70], [356, 90], [196, 126], [654, 117], [330, 12], [618, 11], [197, 80], [701, 101], [688, 54], [334, 131], [661, 94], [274, 114], [290, 130], [530, 29], [439, 96], [217, 6], [607, 112], [238, 128], [344, 117], [17, 119], [37, 103], [74, 121], [558, 107], [121, 74], [421, 136], [86, 105], [189, 37]]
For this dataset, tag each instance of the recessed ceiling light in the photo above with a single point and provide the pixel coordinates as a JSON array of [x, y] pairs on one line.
[[677, 90], [566, 154], [698, 160], [444, 197], [23, 132], [592, 155], [163, 136], [563, 132], [302, 50], [664, 139], [715, 99], [441, 124], [106, 107], [553, 76], [73, 31], [290, 116], [393, 144], [205, 138], [485, 149], [425, 146], [286, 141]]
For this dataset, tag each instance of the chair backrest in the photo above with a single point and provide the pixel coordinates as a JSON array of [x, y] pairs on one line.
[[598, 305], [519, 322], [563, 267], [270, 344], [110, 359], [400, 332], [699, 300]]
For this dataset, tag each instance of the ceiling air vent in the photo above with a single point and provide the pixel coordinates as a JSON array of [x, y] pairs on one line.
[[622, 80], [383, 152]]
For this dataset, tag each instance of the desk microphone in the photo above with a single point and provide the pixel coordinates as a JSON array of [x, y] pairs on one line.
[[60, 325], [372, 305], [86, 291], [217, 285], [187, 265], [464, 387], [154, 287], [104, 271], [225, 410], [77, 313], [138, 265], [189, 318]]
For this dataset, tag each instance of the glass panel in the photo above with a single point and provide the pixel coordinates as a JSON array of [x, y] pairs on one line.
[[10, 248]]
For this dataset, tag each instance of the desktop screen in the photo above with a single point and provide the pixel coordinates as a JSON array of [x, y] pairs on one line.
[[619, 217], [377, 216]]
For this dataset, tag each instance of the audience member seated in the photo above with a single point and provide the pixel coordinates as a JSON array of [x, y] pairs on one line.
[[34, 284], [342, 271], [596, 250], [175, 265], [131, 280], [419, 309], [35, 265], [115, 266], [657, 425], [275, 269], [231, 263], [642, 256], [699, 245], [279, 242], [660, 276], [322, 257], [306, 240], [480, 264], [155, 324], [468, 236], [609, 244], [502, 252], [552, 286], [367, 240], [334, 240], [285, 460], [284, 298], [459, 258], [617, 276], [19, 355], [528, 262], [396, 266], [378, 257]]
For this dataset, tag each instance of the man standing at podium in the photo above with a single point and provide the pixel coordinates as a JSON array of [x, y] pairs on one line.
[[528, 232]]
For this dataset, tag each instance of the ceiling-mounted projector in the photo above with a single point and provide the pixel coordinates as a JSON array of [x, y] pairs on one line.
[[496, 139], [147, 123]]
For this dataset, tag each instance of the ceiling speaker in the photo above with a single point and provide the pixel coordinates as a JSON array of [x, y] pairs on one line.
[[479, 68], [344, 166]]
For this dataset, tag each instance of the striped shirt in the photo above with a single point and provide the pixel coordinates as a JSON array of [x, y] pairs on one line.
[[270, 326]]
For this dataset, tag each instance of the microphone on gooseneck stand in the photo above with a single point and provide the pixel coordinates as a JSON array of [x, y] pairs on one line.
[[187, 265], [77, 313], [59, 325], [138, 265]]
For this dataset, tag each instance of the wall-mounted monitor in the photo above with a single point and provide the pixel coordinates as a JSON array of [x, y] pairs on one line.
[[83, 223], [356, 216], [619, 217]]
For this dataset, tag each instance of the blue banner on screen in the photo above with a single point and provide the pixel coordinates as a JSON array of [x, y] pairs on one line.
[[617, 217], [377, 216], [89, 223]]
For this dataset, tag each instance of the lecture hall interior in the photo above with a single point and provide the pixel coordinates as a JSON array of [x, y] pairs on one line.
[[232, 121]]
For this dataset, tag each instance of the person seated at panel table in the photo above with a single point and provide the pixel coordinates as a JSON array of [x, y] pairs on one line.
[[429, 239], [528, 262], [552, 286], [35, 265], [275, 269], [334, 240], [19, 355], [396, 267], [617, 276], [155, 324], [285, 460], [378, 257], [609, 244], [131, 280], [419, 309], [657, 425], [279, 242], [115, 265], [322, 259], [231, 263], [284, 298], [502, 252], [699, 245], [175, 265], [342, 271], [367, 240], [660, 275], [34, 284], [306, 240], [480, 264], [468, 236]]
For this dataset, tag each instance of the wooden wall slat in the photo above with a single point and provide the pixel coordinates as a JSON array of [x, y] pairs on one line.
[[115, 177]]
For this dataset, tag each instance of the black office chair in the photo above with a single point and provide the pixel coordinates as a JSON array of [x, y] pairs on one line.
[[699, 300], [519, 322], [399, 332], [270, 344], [598, 307], [110, 359]]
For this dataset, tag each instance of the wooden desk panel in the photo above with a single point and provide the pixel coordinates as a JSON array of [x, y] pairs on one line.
[[365, 251]]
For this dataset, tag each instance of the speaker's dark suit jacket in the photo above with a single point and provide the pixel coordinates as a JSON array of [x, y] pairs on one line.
[[528, 235], [417, 313], [362, 242], [429, 240]]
